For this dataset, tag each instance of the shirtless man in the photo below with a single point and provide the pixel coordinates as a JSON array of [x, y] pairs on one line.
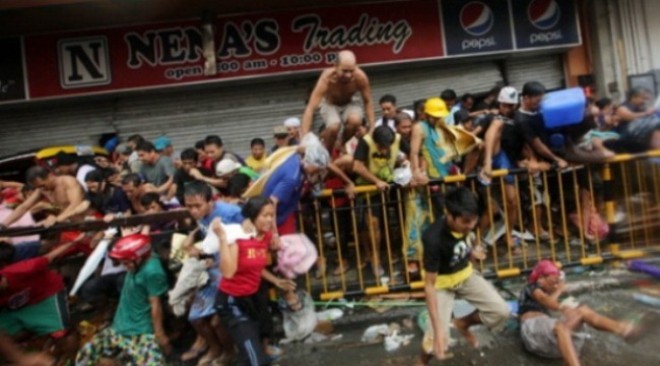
[[333, 95], [63, 192]]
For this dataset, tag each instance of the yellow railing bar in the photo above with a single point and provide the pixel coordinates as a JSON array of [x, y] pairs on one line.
[[590, 261], [509, 272], [340, 258], [356, 237], [538, 226], [388, 244], [546, 199], [560, 182], [319, 237], [308, 281], [405, 241], [328, 296]]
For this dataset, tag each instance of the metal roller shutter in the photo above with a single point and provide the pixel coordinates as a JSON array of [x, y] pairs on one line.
[[28, 127], [416, 83], [546, 69], [239, 113], [236, 112]]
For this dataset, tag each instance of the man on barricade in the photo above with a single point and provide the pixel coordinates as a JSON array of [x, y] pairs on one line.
[[334, 96]]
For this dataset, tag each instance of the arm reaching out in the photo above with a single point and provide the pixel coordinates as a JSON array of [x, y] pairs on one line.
[[314, 101]]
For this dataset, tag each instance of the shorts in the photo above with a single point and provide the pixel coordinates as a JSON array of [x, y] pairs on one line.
[[203, 304], [502, 161], [333, 114], [46, 317], [138, 350], [493, 310], [538, 336]]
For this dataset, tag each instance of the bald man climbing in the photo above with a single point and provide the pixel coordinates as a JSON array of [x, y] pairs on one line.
[[334, 95]]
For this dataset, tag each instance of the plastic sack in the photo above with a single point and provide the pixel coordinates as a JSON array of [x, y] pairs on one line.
[[329, 315], [297, 254], [375, 333], [403, 175], [300, 324], [211, 243]]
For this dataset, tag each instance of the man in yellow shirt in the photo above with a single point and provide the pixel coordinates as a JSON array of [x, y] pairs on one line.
[[257, 156], [448, 248]]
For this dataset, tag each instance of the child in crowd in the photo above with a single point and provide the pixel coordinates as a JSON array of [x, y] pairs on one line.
[[448, 251]]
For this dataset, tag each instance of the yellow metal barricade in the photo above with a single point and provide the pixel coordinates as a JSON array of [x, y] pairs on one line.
[[583, 215]]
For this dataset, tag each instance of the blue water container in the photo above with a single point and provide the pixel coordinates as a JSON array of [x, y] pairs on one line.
[[563, 107]]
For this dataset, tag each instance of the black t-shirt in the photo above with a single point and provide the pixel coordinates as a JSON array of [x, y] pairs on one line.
[[483, 105], [113, 200], [532, 126], [443, 253], [512, 140], [362, 150], [181, 178], [527, 302]]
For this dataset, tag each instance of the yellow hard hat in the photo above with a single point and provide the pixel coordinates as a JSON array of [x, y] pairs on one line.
[[436, 107]]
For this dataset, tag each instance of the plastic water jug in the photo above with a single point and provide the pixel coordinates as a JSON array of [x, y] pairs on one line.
[[563, 107]]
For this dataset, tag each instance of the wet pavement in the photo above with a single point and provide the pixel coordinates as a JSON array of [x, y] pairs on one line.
[[500, 349]]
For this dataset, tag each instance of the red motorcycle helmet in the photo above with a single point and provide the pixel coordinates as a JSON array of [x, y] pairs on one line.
[[131, 248]]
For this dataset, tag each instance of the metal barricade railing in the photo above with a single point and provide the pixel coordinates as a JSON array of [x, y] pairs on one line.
[[561, 215]]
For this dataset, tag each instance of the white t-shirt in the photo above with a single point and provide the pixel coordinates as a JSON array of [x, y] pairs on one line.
[[389, 121], [82, 173]]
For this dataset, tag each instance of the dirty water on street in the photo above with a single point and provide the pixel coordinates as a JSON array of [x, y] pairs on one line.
[[501, 349]]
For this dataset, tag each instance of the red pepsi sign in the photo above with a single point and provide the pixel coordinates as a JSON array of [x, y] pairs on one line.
[[479, 26], [545, 23]]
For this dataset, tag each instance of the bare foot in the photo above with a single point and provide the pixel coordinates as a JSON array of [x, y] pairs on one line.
[[635, 330], [464, 329]]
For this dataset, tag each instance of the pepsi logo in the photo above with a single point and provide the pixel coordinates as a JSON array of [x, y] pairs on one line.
[[477, 18], [543, 14]]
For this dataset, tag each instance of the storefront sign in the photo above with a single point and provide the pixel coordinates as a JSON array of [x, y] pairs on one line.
[[473, 27], [12, 86], [152, 56], [159, 55], [545, 23]]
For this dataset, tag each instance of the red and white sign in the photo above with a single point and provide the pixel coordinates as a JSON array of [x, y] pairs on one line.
[[157, 55]]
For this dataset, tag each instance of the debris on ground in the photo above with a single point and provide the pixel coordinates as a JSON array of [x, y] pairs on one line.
[[647, 300], [329, 314], [644, 267], [390, 335]]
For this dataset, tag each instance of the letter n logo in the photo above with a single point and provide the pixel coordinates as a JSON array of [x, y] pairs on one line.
[[84, 62]]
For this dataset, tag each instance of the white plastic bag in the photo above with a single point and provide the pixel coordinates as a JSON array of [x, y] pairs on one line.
[[375, 333], [211, 243]]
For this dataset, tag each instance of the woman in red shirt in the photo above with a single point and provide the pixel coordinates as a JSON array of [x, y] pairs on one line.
[[243, 265]]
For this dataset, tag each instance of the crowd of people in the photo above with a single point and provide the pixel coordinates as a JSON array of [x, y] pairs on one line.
[[230, 313]]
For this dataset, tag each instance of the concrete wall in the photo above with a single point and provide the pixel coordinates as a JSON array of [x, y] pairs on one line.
[[652, 12], [626, 41]]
